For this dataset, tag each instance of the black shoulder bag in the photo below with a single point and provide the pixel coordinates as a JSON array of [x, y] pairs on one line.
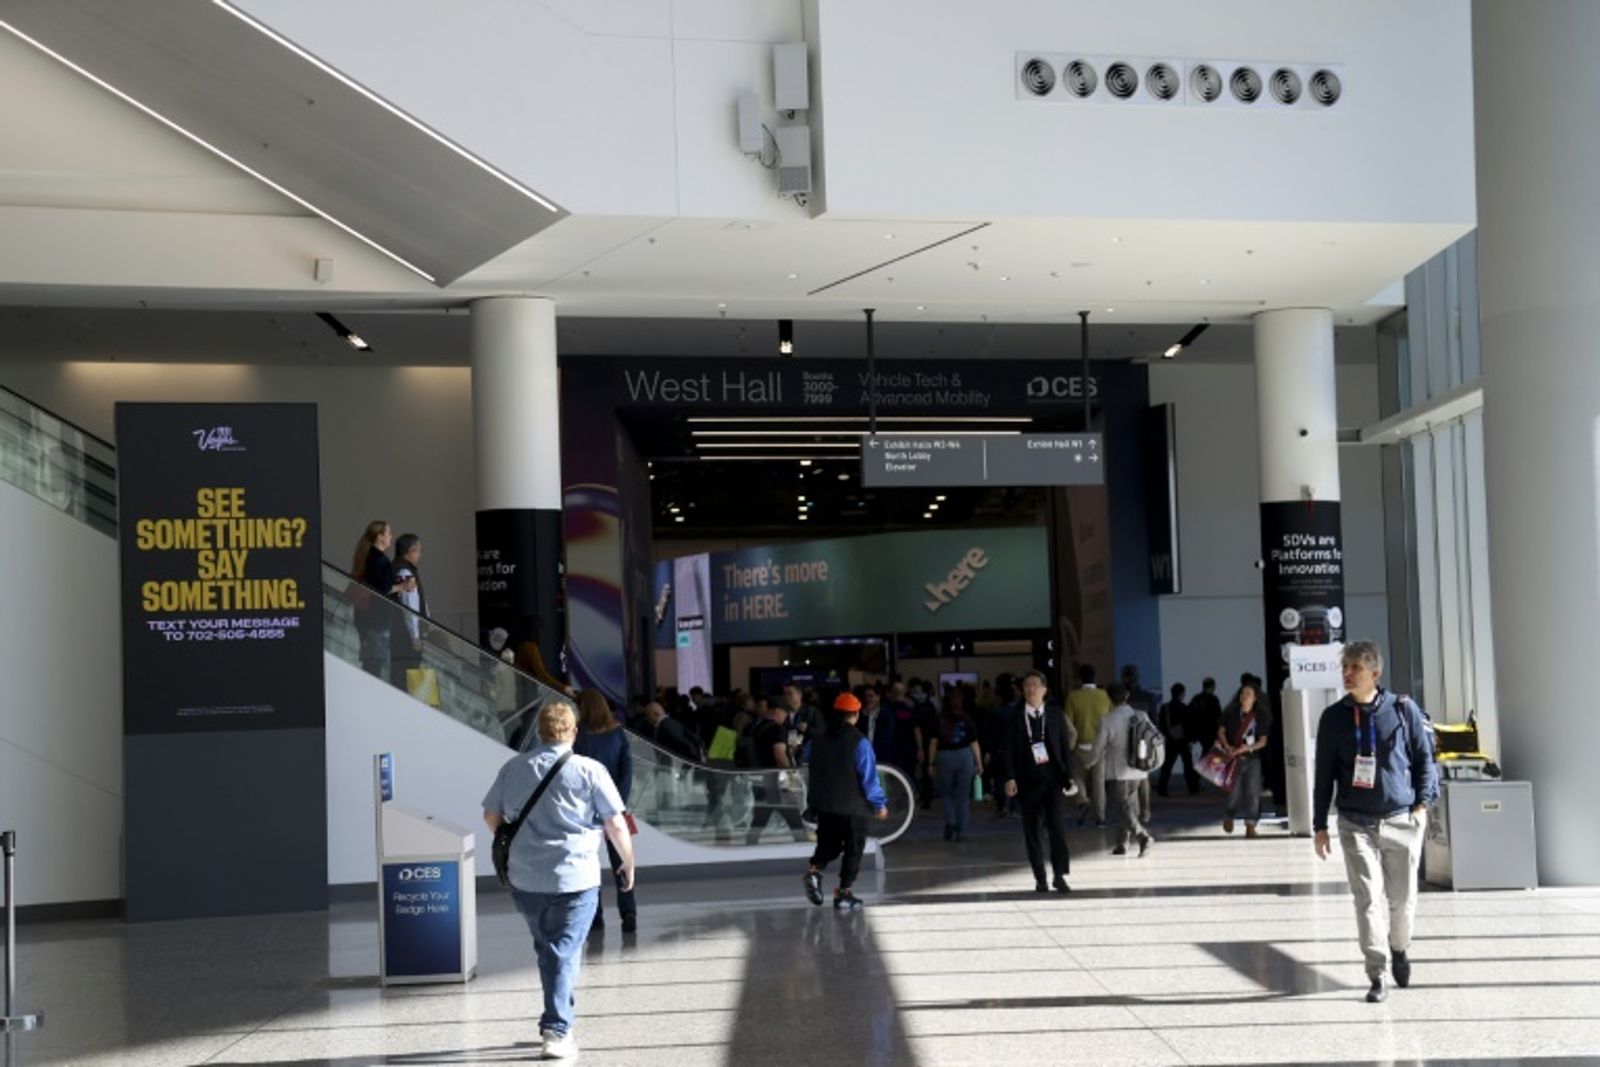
[[503, 835]]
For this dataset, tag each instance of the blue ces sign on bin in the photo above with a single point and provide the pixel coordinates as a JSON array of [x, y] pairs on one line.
[[421, 919]]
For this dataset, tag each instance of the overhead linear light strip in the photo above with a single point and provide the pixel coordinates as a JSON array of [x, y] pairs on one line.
[[346, 80], [213, 149], [719, 457], [858, 418], [932, 431], [774, 444]]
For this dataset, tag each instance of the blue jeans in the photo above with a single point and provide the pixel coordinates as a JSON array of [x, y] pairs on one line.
[[956, 769], [559, 923]]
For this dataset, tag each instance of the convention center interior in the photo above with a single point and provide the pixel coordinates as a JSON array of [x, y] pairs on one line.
[[702, 533]]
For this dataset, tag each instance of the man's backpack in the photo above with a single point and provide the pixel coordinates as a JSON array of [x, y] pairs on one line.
[[1146, 747]]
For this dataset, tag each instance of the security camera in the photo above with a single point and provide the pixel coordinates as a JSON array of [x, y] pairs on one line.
[[1305, 432], [1259, 565]]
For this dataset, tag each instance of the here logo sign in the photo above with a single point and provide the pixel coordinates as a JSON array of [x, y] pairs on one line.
[[956, 582]]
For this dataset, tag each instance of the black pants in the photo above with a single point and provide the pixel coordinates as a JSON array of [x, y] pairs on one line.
[[1044, 824], [840, 835], [1179, 750], [770, 802]]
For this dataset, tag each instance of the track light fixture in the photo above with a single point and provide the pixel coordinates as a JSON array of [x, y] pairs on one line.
[[1186, 340], [349, 336]]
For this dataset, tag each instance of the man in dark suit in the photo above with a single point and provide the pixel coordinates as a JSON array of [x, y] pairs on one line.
[[1036, 766]]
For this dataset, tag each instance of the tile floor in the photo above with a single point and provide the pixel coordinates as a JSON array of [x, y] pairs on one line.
[[1212, 949]]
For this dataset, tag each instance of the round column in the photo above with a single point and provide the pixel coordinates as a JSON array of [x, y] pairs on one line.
[[516, 414], [1302, 551], [1538, 258]]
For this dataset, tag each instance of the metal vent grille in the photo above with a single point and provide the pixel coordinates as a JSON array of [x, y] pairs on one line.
[[1206, 83], [1326, 88], [1162, 81], [1285, 85], [1245, 84], [1080, 78], [1122, 81], [1038, 77]]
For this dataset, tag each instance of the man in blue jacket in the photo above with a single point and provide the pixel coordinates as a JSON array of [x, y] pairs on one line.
[[1374, 749], [843, 791]]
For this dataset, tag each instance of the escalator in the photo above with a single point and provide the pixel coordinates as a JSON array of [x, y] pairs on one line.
[[71, 470]]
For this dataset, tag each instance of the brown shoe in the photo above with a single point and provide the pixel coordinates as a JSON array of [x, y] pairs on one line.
[[1250, 830], [1227, 826]]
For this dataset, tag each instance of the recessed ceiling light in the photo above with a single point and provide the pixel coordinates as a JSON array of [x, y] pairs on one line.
[[933, 507], [940, 498], [1005, 277], [673, 509], [722, 307], [805, 463], [803, 516], [677, 518], [927, 514], [802, 499], [792, 277], [922, 307], [1110, 310], [888, 237], [844, 477]]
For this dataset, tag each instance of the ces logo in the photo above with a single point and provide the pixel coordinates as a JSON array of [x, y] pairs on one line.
[[420, 874]]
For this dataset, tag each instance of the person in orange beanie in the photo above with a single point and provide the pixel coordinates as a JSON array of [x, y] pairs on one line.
[[843, 793]]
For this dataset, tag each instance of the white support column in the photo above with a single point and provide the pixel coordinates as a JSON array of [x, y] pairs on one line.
[[516, 403], [1302, 549], [1539, 256], [516, 410]]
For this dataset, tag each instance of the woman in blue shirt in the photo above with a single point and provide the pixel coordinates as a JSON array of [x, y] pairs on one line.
[[953, 752], [602, 739]]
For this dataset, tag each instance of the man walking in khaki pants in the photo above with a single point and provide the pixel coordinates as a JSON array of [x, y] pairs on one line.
[[1374, 749]]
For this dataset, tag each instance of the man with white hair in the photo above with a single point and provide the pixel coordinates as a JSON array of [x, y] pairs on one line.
[[555, 856], [1375, 751]]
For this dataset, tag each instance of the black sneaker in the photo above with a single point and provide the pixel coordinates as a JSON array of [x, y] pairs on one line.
[[630, 923], [1401, 967], [1061, 884], [844, 900], [1377, 994], [814, 887], [1041, 886], [1144, 843], [1120, 850]]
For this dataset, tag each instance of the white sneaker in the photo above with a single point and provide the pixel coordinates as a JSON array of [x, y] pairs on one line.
[[558, 1046]]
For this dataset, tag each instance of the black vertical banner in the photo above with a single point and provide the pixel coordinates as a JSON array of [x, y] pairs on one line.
[[225, 791], [1302, 555], [520, 581]]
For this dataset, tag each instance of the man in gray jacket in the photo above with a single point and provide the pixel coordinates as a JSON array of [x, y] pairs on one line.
[[1123, 780]]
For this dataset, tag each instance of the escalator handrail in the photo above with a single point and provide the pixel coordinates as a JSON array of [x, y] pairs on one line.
[[96, 438]]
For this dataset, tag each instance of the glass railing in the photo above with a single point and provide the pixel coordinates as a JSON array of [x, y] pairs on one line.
[[75, 471], [58, 463]]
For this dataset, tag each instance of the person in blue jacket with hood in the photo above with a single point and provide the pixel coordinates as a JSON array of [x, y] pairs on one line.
[[844, 793]]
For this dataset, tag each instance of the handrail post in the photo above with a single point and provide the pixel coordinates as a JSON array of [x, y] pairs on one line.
[[10, 1021]]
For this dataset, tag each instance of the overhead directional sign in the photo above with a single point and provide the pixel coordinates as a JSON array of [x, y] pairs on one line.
[[933, 460]]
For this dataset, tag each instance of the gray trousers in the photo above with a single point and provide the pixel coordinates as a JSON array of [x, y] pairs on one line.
[[1123, 801], [1091, 783], [1381, 863]]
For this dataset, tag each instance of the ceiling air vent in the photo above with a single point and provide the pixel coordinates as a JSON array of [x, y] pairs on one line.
[[1122, 81], [1038, 77], [1205, 83], [1246, 85], [1326, 88], [1162, 82], [1285, 86], [1080, 79]]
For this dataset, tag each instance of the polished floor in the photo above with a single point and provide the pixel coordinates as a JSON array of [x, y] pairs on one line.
[[1211, 950]]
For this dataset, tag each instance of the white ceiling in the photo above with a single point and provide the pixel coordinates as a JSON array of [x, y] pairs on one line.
[[77, 163]]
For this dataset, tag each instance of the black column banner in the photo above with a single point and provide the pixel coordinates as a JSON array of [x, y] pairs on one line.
[[519, 581], [223, 717], [1302, 554]]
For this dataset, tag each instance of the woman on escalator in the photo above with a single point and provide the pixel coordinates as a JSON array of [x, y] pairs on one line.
[[602, 739], [373, 569]]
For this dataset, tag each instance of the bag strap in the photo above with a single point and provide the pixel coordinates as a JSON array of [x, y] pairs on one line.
[[544, 783]]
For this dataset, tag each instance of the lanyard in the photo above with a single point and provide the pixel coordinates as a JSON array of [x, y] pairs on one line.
[[1372, 731], [1030, 718]]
